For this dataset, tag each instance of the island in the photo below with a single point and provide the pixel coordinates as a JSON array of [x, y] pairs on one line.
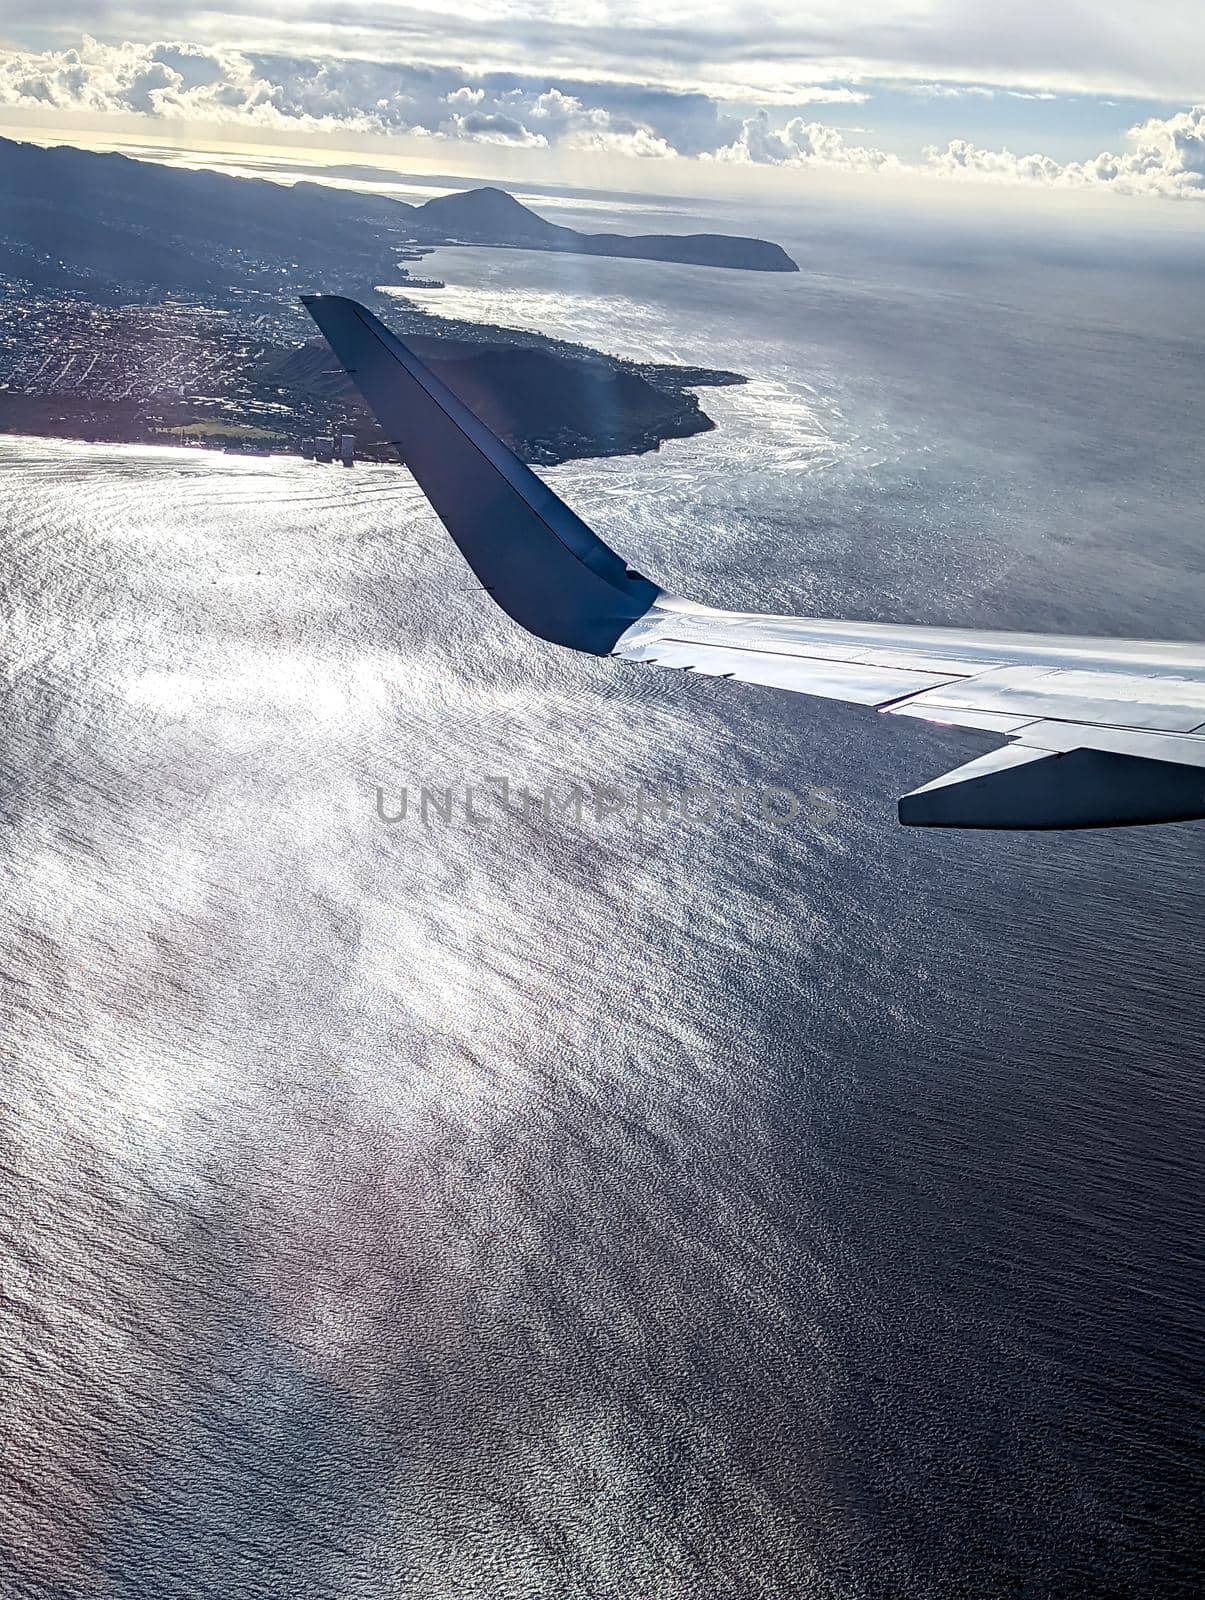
[[143, 302]]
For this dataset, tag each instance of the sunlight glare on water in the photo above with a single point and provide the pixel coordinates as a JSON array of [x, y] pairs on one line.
[[519, 1208]]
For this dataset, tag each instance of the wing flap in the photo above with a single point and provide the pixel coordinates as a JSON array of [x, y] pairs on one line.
[[1158, 701], [827, 678], [1182, 749], [1000, 722]]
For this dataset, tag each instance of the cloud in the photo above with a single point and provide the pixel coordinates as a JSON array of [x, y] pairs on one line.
[[492, 127], [960, 159], [185, 82], [1167, 159], [165, 81], [955, 91], [584, 127], [799, 144], [1120, 48], [197, 84], [818, 94]]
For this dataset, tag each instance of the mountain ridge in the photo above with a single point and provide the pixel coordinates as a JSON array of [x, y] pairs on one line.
[[224, 230]]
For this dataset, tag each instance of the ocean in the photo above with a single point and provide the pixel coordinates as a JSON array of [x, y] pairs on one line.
[[500, 1203]]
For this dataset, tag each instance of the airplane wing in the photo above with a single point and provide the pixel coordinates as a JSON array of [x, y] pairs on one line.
[[1101, 732]]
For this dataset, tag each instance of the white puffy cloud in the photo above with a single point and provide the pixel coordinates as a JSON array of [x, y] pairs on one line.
[[638, 142], [583, 127], [1168, 153], [176, 81], [961, 159], [1166, 158], [190, 83], [798, 143]]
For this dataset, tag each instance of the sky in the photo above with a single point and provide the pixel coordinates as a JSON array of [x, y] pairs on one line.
[[1083, 98]]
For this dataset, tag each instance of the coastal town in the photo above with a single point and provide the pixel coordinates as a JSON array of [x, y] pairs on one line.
[[248, 375], [176, 371], [60, 345]]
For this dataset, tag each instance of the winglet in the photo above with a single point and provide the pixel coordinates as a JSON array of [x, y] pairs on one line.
[[535, 556]]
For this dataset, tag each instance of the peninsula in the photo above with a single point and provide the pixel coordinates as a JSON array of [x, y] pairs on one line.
[[491, 216]]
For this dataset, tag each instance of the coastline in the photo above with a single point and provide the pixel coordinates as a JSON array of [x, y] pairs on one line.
[[552, 401]]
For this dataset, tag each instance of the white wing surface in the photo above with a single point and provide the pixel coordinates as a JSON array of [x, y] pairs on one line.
[[1101, 732]]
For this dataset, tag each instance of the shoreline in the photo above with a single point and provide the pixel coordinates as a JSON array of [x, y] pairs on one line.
[[551, 400], [368, 451]]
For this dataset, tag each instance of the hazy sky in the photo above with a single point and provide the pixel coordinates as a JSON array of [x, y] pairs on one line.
[[1086, 96]]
